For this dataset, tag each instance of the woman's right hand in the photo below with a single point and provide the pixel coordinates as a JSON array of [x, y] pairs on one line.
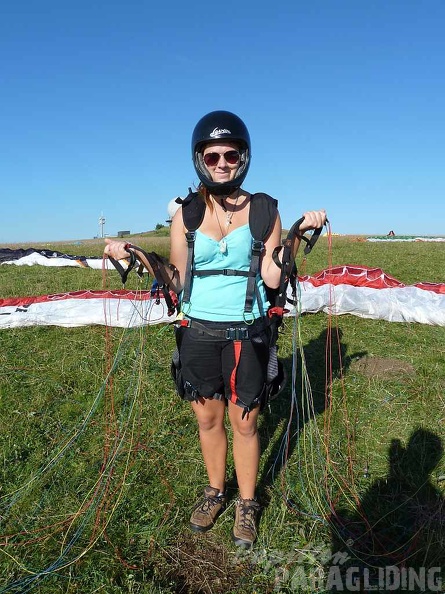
[[116, 249]]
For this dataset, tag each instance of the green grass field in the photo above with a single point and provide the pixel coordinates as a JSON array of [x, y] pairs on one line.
[[101, 461]]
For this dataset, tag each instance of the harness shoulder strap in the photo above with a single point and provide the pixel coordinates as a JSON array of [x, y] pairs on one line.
[[262, 216], [193, 210]]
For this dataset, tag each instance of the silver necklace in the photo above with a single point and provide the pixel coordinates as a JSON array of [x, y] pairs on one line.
[[229, 215]]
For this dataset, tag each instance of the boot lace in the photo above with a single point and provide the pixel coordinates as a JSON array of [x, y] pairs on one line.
[[208, 503], [248, 510]]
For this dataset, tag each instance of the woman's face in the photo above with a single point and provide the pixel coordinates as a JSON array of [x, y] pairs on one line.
[[222, 161]]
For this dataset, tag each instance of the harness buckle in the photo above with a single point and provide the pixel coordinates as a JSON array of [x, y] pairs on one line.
[[237, 333], [183, 323], [276, 311], [257, 245], [190, 237]]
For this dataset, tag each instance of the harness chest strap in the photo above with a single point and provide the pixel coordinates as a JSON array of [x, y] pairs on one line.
[[224, 272]]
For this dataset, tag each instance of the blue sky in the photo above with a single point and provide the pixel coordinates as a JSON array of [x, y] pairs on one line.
[[344, 101]]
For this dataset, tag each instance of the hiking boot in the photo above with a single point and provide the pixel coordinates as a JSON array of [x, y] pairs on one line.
[[244, 530], [207, 510]]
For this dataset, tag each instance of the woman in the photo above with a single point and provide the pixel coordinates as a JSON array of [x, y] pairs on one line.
[[220, 370]]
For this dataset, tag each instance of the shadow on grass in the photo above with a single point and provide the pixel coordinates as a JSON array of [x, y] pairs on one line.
[[395, 538], [275, 422]]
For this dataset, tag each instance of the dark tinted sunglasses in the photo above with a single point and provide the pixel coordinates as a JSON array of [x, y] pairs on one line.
[[212, 159]]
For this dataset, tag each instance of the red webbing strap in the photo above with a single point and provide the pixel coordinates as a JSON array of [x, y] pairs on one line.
[[237, 345]]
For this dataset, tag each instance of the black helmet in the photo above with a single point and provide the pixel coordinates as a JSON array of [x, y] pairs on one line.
[[220, 125]]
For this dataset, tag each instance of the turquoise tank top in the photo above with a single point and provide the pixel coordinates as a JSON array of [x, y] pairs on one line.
[[221, 298]]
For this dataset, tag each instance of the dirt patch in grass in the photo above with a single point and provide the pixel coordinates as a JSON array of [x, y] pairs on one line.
[[201, 564], [382, 367]]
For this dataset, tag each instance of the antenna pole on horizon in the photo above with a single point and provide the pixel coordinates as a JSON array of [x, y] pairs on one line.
[[101, 225]]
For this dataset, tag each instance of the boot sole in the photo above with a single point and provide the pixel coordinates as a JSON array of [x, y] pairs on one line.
[[197, 528], [243, 544]]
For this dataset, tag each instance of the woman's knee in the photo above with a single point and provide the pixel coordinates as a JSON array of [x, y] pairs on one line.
[[245, 430], [209, 417], [247, 426], [210, 424]]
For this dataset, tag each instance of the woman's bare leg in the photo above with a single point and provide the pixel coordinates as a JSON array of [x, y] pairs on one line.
[[212, 434], [246, 449]]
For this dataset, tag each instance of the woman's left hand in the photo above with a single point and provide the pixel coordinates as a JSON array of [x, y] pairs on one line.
[[313, 219]]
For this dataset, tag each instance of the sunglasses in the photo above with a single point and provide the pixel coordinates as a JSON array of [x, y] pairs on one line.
[[212, 159]]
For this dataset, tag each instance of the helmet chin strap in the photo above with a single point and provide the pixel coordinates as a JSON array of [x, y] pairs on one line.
[[223, 197]]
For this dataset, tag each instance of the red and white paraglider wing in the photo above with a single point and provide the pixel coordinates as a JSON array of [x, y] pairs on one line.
[[356, 290], [370, 293], [122, 309]]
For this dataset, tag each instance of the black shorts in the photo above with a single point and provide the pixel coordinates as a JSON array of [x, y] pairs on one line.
[[223, 368]]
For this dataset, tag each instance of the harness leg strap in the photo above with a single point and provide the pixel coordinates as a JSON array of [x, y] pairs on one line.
[[237, 346]]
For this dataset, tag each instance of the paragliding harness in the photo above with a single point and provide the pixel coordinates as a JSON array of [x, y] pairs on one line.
[[262, 217]]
